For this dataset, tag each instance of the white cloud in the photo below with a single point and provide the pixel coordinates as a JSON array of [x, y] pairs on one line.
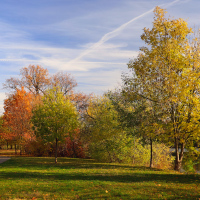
[[2, 97]]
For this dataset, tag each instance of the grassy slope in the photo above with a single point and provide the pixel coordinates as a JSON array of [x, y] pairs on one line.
[[40, 178]]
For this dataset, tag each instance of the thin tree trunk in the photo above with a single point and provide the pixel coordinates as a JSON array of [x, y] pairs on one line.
[[151, 157], [15, 149], [56, 152], [20, 153]]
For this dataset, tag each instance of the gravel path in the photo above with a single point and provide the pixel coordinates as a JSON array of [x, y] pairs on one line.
[[3, 159]]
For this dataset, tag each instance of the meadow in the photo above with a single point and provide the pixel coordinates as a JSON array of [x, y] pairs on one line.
[[40, 178]]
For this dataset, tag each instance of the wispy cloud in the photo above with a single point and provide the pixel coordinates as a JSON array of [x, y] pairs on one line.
[[115, 32]]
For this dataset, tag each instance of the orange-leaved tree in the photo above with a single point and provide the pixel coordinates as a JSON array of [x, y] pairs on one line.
[[17, 115]]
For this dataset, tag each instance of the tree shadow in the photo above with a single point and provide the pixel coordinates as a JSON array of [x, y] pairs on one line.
[[44, 169], [132, 175]]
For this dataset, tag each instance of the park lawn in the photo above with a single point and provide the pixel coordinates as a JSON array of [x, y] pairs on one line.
[[40, 178]]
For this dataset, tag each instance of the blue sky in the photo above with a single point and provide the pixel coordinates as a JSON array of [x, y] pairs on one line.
[[91, 39]]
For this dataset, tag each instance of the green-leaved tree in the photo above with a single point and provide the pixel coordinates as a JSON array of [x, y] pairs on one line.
[[55, 117]]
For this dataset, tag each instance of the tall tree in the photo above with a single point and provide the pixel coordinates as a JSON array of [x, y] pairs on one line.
[[55, 118], [167, 72], [138, 116]]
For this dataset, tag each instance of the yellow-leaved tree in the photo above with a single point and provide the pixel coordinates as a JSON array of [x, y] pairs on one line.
[[167, 72]]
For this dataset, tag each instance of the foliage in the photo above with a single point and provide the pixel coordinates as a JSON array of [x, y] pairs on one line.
[[55, 117], [120, 148], [36, 80], [163, 158], [138, 117], [17, 116], [102, 119], [102, 125], [110, 138], [70, 147], [1, 130], [64, 81], [191, 159], [73, 146], [167, 73]]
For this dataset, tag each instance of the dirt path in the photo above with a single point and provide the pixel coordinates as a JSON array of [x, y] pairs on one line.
[[3, 159]]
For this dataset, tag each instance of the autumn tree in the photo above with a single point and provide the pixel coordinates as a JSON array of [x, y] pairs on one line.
[[55, 118], [2, 132], [17, 115], [64, 81], [167, 72], [36, 79], [103, 132], [33, 78], [138, 116], [6, 135], [150, 127]]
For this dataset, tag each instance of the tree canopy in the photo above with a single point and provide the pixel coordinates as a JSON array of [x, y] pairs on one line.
[[167, 72], [55, 117]]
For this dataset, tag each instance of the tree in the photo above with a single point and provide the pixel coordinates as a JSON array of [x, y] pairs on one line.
[[64, 81], [55, 118], [150, 127], [34, 78], [138, 117], [17, 115], [103, 128], [102, 117], [168, 74]]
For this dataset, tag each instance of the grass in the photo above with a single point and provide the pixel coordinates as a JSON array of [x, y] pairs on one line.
[[39, 178]]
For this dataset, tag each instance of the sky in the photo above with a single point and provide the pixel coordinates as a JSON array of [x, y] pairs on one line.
[[93, 40]]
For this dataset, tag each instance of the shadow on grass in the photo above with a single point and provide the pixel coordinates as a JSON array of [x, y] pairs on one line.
[[68, 172], [135, 177], [59, 171]]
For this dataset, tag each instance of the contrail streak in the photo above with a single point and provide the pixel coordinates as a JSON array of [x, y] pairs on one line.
[[115, 32]]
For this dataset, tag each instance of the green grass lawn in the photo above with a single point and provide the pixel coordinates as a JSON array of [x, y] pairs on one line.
[[40, 178]]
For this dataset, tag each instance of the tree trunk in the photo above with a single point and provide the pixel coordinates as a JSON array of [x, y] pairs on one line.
[[56, 152], [179, 156], [20, 150], [151, 157], [15, 149]]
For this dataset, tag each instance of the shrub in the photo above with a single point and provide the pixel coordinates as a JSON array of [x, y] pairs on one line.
[[124, 148]]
